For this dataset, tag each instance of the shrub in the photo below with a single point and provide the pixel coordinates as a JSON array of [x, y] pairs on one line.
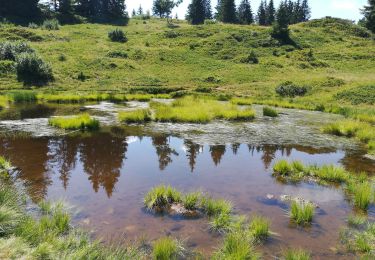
[[302, 214], [171, 34], [117, 35], [118, 54], [268, 111], [31, 69], [82, 122], [136, 116], [51, 25], [252, 58], [288, 89], [6, 66], [11, 50], [359, 95], [33, 26]]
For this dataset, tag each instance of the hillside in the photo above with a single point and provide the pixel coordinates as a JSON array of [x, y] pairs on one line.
[[329, 56]]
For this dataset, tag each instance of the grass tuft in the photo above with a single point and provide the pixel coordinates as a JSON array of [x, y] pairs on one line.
[[259, 228], [270, 112], [136, 116], [84, 121], [166, 249], [296, 254], [302, 214], [191, 200]]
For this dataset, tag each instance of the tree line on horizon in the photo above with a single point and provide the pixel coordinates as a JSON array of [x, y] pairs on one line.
[[114, 11]]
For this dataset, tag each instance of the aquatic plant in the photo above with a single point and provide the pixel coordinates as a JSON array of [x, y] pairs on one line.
[[363, 244], [214, 207], [84, 121], [296, 254], [332, 173], [356, 220], [362, 195], [270, 112], [166, 249], [190, 200], [259, 228], [302, 213], [135, 116], [161, 196], [22, 96], [196, 110], [346, 128], [236, 246], [282, 167], [221, 223]]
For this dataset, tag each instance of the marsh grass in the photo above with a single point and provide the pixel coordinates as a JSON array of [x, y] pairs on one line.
[[333, 173], [259, 228], [283, 168], [270, 112], [195, 110], [166, 249], [296, 254], [83, 122], [221, 223], [215, 207], [362, 195], [190, 200], [356, 220], [22, 96], [135, 116], [160, 197], [302, 214]]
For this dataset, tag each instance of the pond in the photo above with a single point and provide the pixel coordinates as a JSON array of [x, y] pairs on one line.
[[105, 174]]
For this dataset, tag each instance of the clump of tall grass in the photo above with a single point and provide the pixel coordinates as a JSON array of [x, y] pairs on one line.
[[117, 35], [22, 96], [259, 228], [160, 197], [166, 249], [346, 128], [221, 223], [135, 116], [190, 200], [302, 213], [215, 207], [296, 254], [333, 173], [356, 220], [371, 147], [84, 121], [362, 194], [51, 25], [196, 110], [282, 167], [5, 166], [241, 101], [270, 112], [236, 246]]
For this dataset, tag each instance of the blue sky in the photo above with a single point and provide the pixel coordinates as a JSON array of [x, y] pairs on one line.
[[348, 9]]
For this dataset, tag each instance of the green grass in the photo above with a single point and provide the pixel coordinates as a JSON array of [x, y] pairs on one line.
[[84, 121], [215, 207], [363, 195], [198, 110], [296, 254], [302, 214], [221, 223], [21, 96], [190, 200], [259, 228], [136, 116], [270, 112], [356, 220], [283, 168], [332, 173], [165, 249]]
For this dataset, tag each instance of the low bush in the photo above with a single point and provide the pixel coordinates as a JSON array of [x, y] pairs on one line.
[[118, 54], [31, 69], [270, 112], [11, 50], [289, 89], [51, 25], [171, 34], [117, 35], [6, 67], [252, 58], [359, 95], [82, 122]]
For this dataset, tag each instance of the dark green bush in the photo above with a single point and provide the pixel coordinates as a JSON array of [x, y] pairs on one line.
[[118, 54], [269, 111], [51, 25], [171, 34], [117, 35], [32, 70], [6, 66], [289, 89], [10, 50], [252, 58]]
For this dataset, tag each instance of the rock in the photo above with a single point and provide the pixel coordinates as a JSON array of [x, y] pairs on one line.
[[270, 196], [300, 200]]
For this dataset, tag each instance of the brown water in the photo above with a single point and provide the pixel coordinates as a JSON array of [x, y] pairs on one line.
[[106, 174]]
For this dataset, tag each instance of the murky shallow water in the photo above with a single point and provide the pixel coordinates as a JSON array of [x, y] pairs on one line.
[[106, 174]]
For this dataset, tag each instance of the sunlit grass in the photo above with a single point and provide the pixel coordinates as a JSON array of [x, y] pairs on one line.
[[214, 207], [302, 214], [190, 200], [363, 195], [259, 228], [296, 254], [84, 121], [161, 196], [332, 173], [195, 110], [356, 220], [282, 167], [166, 249], [221, 223], [135, 116]]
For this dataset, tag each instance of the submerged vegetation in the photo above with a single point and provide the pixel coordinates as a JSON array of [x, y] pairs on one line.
[[84, 121]]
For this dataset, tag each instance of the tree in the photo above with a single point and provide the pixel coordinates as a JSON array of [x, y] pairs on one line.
[[65, 7], [262, 15], [163, 8], [245, 14], [306, 11], [22, 11], [140, 10], [228, 11], [270, 13], [369, 15], [281, 26], [196, 12], [134, 13], [207, 9]]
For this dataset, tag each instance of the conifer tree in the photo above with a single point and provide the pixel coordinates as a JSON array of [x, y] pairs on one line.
[[228, 11], [281, 28], [262, 15], [270, 13], [245, 14], [207, 9], [196, 12], [369, 13], [140, 10], [306, 11]]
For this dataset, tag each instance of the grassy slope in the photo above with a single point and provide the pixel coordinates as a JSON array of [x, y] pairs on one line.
[[217, 52]]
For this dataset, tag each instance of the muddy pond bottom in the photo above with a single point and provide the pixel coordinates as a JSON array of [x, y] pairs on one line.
[[105, 176]]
